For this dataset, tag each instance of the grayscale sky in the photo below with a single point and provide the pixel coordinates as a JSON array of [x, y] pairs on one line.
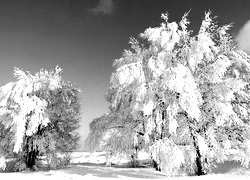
[[85, 36]]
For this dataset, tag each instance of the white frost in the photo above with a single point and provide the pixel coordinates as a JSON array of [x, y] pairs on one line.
[[148, 107]]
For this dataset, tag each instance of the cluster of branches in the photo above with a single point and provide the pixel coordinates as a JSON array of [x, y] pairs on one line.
[[110, 132]]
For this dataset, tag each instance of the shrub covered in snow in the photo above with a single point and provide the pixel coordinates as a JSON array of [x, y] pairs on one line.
[[2, 163]]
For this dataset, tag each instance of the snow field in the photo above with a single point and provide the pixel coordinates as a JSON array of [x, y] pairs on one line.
[[81, 171]]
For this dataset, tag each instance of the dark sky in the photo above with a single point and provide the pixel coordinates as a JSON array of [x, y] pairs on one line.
[[85, 36]]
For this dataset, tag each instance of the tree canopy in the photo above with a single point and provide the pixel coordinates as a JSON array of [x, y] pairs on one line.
[[40, 114], [188, 95]]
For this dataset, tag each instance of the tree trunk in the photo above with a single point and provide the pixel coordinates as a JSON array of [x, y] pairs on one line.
[[108, 157], [200, 169], [199, 164], [155, 165], [31, 154], [134, 157], [31, 159]]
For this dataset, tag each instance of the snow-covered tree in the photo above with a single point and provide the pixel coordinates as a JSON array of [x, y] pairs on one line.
[[113, 134], [40, 114], [187, 94]]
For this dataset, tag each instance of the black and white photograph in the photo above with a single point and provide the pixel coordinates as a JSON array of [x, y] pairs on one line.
[[125, 89]]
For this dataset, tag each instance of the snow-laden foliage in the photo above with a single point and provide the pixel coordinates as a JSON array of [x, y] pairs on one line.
[[111, 133], [187, 89], [169, 156], [39, 115], [24, 107]]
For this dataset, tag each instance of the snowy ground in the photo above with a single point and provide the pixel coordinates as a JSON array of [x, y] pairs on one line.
[[90, 166]]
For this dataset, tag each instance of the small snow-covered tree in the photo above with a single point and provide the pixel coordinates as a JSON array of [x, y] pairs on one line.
[[40, 114], [113, 134], [188, 95]]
